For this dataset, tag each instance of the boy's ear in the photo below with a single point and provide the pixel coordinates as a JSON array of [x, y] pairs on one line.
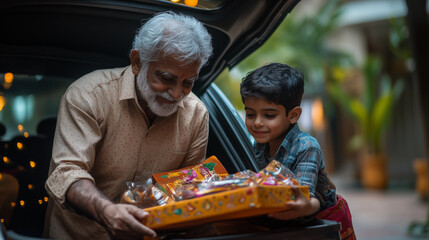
[[294, 114]]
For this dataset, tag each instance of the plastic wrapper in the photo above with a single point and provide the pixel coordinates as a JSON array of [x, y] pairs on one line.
[[145, 194], [201, 180], [213, 186], [275, 173]]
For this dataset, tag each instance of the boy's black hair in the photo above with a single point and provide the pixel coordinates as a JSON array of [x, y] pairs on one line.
[[277, 83]]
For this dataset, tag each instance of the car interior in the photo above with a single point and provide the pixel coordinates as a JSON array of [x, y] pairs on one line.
[[47, 45]]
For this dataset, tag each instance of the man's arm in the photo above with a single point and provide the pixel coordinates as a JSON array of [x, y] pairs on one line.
[[123, 221], [86, 199]]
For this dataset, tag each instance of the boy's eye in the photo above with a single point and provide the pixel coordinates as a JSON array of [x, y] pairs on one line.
[[250, 115], [270, 115]]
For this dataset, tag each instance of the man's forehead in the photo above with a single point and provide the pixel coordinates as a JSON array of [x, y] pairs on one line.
[[173, 75]]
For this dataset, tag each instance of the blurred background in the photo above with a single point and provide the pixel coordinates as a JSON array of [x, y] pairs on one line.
[[363, 102], [366, 66]]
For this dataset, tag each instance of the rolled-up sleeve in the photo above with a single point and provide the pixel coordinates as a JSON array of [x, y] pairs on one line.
[[76, 136]]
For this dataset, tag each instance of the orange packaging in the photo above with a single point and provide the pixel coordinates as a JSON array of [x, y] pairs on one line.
[[231, 204], [211, 164]]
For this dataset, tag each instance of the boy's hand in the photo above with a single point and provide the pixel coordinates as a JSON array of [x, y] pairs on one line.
[[301, 207]]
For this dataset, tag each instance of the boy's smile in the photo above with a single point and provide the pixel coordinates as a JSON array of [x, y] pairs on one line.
[[266, 122]]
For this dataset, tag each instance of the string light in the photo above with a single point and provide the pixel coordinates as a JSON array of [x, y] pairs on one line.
[[191, 3], [8, 77], [26, 135], [6, 160], [19, 145], [2, 102], [22, 203], [30, 186], [32, 164]]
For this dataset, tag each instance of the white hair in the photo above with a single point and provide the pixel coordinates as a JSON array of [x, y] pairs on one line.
[[171, 34]]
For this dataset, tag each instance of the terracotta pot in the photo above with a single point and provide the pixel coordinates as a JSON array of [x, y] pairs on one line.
[[374, 171], [422, 182]]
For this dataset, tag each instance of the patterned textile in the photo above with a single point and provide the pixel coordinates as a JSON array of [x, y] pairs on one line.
[[301, 153], [340, 212], [104, 135]]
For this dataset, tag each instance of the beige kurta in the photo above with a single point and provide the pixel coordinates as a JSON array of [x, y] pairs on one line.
[[104, 135]]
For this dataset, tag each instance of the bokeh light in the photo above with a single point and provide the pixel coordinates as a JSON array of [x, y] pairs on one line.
[[191, 3], [8, 77]]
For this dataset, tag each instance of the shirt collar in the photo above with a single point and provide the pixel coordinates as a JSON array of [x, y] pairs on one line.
[[128, 84], [290, 136]]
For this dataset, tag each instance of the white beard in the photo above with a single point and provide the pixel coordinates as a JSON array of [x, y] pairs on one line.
[[159, 109]]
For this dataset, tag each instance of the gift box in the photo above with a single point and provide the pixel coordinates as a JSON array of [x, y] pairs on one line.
[[209, 167], [230, 204]]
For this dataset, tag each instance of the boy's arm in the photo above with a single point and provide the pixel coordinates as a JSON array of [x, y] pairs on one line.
[[309, 161], [301, 207]]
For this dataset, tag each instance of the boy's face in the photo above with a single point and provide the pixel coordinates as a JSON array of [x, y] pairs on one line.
[[266, 122]]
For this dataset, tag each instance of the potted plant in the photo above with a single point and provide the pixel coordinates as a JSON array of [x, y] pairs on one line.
[[372, 110]]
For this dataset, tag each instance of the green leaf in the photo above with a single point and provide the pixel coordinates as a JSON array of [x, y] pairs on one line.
[[359, 111], [381, 118], [371, 69]]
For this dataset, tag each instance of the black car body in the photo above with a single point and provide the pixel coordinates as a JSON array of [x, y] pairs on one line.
[[46, 41], [68, 39]]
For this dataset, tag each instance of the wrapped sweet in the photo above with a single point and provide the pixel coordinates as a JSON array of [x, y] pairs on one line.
[[133, 193], [201, 180], [275, 173], [145, 194]]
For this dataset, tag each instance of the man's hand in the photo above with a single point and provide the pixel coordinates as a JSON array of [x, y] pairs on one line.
[[301, 207], [124, 221]]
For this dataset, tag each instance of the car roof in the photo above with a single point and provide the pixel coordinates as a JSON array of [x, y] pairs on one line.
[[70, 38]]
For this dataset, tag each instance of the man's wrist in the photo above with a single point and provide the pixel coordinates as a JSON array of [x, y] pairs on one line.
[[100, 208]]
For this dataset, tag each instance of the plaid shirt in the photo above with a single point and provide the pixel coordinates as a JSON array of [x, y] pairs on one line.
[[301, 153]]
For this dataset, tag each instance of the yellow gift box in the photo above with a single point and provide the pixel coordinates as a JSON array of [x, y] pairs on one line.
[[231, 204]]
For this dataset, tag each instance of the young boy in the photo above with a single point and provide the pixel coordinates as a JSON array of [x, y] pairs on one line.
[[272, 97]]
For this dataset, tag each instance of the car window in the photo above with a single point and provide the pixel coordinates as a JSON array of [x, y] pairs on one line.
[[25, 100]]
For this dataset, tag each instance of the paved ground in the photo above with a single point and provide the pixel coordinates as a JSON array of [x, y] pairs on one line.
[[381, 215]]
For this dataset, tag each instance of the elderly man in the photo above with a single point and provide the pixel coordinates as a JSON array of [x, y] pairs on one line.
[[125, 124]]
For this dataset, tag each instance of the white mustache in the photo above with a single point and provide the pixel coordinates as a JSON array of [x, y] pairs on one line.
[[168, 96]]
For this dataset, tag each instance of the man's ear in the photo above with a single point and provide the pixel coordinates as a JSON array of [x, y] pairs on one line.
[[294, 114], [135, 62]]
